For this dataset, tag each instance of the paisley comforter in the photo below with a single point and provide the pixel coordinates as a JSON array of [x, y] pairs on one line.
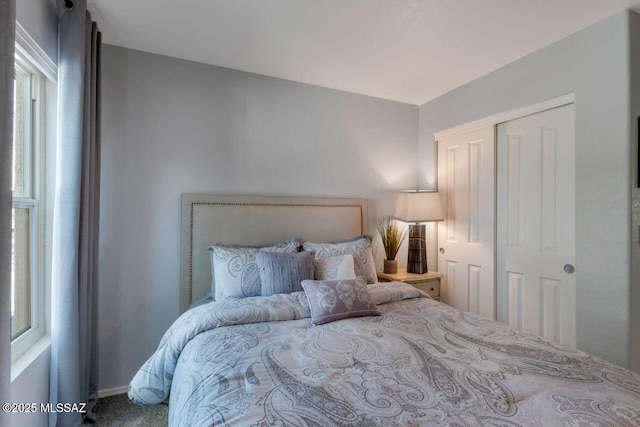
[[260, 362]]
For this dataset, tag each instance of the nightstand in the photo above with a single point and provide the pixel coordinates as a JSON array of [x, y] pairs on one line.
[[428, 282]]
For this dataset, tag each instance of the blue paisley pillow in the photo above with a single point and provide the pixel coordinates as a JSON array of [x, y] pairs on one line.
[[235, 272]]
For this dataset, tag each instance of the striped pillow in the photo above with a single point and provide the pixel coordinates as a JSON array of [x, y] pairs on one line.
[[283, 273]]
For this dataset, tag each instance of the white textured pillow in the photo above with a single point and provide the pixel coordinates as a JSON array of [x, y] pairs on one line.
[[358, 247], [235, 272], [338, 267]]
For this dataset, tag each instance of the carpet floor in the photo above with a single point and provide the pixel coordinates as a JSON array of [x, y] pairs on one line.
[[118, 410]]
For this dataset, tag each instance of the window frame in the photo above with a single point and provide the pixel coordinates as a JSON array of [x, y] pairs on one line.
[[34, 198]]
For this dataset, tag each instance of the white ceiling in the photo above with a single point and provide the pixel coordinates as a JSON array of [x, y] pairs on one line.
[[405, 50]]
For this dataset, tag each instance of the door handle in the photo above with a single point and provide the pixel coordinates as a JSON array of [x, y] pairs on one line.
[[569, 268], [441, 250]]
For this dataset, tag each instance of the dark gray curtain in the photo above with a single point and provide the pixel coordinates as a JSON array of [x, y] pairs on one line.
[[7, 49], [75, 215]]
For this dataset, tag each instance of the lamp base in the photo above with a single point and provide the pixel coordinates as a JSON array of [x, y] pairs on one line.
[[417, 257]]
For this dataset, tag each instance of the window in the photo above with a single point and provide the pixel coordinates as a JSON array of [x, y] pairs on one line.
[[27, 242]]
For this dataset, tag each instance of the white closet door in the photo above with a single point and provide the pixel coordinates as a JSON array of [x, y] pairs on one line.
[[536, 224], [466, 182]]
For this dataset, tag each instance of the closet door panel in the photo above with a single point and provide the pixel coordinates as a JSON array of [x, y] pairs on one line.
[[466, 182], [536, 224]]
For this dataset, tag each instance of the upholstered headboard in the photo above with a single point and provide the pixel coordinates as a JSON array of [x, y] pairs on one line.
[[255, 220]]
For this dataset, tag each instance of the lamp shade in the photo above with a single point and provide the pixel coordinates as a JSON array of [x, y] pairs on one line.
[[419, 206]]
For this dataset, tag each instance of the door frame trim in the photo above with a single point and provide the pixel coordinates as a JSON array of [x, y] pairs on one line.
[[506, 116]]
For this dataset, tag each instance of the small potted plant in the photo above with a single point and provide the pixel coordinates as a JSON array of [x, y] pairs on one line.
[[392, 237]]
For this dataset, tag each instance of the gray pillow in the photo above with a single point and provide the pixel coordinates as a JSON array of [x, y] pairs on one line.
[[283, 273], [358, 247], [331, 300]]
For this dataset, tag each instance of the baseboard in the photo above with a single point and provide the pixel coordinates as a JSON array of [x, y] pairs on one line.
[[113, 391]]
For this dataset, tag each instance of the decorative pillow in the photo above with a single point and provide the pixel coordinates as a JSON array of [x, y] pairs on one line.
[[234, 269], [338, 267], [283, 273], [358, 247], [331, 300]]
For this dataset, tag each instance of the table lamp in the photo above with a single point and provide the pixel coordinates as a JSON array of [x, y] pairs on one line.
[[418, 207]]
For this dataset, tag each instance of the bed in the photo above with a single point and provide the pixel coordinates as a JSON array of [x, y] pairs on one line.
[[273, 361]]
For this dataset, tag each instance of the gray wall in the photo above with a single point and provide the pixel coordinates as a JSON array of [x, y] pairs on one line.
[[40, 19], [594, 64], [172, 126]]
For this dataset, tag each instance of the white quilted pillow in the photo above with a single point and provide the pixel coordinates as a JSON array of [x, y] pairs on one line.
[[338, 267]]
